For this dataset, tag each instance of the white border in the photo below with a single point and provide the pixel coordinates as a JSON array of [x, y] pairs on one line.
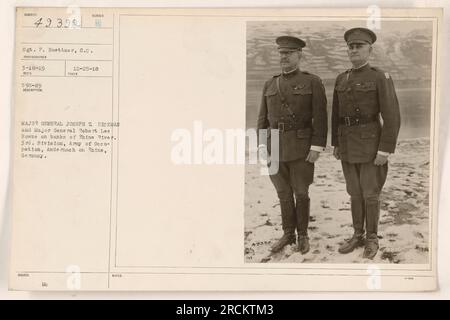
[[7, 9]]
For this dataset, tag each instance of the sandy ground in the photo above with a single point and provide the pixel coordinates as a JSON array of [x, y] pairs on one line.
[[404, 223]]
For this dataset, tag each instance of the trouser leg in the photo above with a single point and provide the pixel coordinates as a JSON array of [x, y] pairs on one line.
[[288, 216], [301, 177], [302, 212], [372, 181], [352, 179], [351, 174], [285, 194], [372, 215], [358, 214]]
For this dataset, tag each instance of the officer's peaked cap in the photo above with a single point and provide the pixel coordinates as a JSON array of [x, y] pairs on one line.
[[290, 43], [360, 35]]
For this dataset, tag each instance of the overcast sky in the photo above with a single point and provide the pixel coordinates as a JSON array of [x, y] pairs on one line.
[[386, 27]]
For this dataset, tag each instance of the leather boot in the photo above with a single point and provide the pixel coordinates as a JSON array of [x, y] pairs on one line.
[[358, 213], [288, 221], [371, 248], [303, 244], [357, 240], [358, 208], [372, 217], [302, 210]]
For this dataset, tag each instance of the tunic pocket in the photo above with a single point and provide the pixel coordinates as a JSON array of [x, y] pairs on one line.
[[370, 141], [302, 90], [304, 133], [366, 86], [342, 94], [302, 97], [273, 102]]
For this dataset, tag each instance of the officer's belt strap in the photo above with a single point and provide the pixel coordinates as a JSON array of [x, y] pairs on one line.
[[283, 99], [354, 121], [291, 125]]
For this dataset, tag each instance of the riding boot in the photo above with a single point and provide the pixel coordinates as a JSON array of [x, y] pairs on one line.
[[358, 213], [288, 221], [303, 211], [372, 218]]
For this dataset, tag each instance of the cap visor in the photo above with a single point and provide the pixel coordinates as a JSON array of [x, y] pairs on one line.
[[358, 41], [287, 49]]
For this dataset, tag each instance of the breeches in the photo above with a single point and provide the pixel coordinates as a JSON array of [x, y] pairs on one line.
[[293, 177], [364, 180]]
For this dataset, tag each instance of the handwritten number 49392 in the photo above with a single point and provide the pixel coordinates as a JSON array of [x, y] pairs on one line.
[[60, 23]]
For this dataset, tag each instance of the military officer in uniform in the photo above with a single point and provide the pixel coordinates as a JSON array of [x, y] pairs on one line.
[[294, 102], [361, 95]]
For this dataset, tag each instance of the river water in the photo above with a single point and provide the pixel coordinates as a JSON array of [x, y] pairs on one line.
[[415, 108]]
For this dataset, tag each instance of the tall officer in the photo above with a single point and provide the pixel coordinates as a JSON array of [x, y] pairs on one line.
[[360, 141], [294, 102]]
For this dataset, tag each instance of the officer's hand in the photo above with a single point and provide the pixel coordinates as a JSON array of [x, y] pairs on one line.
[[313, 156], [336, 153], [380, 160]]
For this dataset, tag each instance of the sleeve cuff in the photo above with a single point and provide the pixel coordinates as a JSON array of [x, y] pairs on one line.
[[317, 148], [386, 154]]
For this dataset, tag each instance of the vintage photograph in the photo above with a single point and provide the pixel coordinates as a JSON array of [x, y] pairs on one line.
[[298, 149], [353, 108]]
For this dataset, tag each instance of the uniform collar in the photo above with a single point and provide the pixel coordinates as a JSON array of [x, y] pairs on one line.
[[290, 73], [361, 68]]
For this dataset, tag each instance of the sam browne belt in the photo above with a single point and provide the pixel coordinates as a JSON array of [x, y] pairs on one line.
[[355, 121]]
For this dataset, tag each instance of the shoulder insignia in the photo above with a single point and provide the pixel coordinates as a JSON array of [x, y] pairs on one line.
[[386, 74], [377, 69], [306, 72], [277, 75]]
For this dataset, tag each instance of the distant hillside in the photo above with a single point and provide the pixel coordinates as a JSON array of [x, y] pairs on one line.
[[403, 49], [405, 55]]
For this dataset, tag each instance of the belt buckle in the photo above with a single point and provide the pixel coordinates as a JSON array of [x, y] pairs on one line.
[[281, 126], [347, 121]]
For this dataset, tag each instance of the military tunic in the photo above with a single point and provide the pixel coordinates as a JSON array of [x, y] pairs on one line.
[[364, 93], [302, 124], [305, 95], [360, 97]]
